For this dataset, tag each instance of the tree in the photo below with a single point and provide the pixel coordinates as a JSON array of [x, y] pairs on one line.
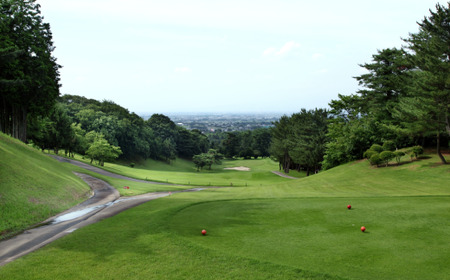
[[169, 150], [246, 144], [309, 138], [199, 161], [298, 142], [367, 117], [385, 83], [207, 159], [163, 126], [191, 142], [231, 145], [398, 156], [281, 144], [120, 127], [261, 142], [102, 151], [350, 131], [54, 131], [386, 156], [29, 74], [427, 108]]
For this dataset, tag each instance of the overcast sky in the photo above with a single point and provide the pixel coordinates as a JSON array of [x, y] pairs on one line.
[[222, 56]]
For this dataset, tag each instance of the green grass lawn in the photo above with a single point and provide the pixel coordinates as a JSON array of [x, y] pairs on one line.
[[184, 172], [291, 229]]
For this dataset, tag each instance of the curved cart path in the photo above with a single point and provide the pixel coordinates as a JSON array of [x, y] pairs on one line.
[[104, 203], [104, 172]]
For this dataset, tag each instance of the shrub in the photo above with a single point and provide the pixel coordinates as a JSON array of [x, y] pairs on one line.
[[417, 151], [398, 156], [377, 148], [369, 153], [389, 146], [132, 164], [386, 156], [375, 159]]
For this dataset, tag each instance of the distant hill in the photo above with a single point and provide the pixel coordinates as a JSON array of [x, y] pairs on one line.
[[33, 186]]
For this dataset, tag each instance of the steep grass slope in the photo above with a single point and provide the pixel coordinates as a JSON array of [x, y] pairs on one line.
[[33, 186]]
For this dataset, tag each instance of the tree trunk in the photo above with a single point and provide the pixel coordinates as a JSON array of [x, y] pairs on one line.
[[438, 141], [286, 163], [15, 124], [23, 124], [447, 121]]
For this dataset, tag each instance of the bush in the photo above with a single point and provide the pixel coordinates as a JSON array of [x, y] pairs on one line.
[[377, 148], [389, 146], [386, 156], [417, 151], [375, 159], [132, 164], [398, 156], [369, 153]]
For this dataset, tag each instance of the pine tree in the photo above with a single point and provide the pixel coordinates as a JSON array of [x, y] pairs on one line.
[[427, 108]]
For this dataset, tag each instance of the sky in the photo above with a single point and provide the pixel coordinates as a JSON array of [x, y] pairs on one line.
[[233, 56]]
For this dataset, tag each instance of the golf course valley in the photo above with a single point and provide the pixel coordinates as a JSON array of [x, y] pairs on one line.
[[261, 227]]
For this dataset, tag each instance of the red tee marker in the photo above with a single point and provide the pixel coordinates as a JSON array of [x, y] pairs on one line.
[[363, 229], [349, 207], [204, 232]]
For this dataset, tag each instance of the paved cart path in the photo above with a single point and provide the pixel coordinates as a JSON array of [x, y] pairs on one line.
[[104, 172], [104, 203]]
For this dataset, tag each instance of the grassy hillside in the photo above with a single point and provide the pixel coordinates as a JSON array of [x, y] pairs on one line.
[[33, 186], [292, 230]]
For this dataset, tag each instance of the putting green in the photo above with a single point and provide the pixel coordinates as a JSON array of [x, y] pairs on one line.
[[322, 235]]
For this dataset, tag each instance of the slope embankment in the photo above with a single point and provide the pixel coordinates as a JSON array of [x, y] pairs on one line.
[[33, 186]]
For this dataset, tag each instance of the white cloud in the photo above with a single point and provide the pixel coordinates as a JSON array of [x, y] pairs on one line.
[[182, 70], [284, 50]]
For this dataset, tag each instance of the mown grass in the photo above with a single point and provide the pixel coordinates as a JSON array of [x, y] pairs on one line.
[[297, 229], [184, 172], [33, 187]]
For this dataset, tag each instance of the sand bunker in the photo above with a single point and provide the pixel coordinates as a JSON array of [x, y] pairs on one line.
[[239, 168]]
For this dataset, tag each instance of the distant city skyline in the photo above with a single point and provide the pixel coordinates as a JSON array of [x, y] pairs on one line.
[[228, 56]]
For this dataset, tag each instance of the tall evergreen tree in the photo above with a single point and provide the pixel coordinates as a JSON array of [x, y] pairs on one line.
[[385, 83], [309, 138], [427, 109], [29, 75], [281, 142]]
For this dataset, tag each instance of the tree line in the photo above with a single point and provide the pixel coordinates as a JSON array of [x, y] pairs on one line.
[[405, 96], [29, 74], [104, 130], [76, 123], [404, 100]]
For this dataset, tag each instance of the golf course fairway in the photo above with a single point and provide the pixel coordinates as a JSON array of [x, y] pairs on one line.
[[300, 229]]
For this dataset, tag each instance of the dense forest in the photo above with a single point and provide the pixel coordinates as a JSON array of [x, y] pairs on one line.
[[404, 101]]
